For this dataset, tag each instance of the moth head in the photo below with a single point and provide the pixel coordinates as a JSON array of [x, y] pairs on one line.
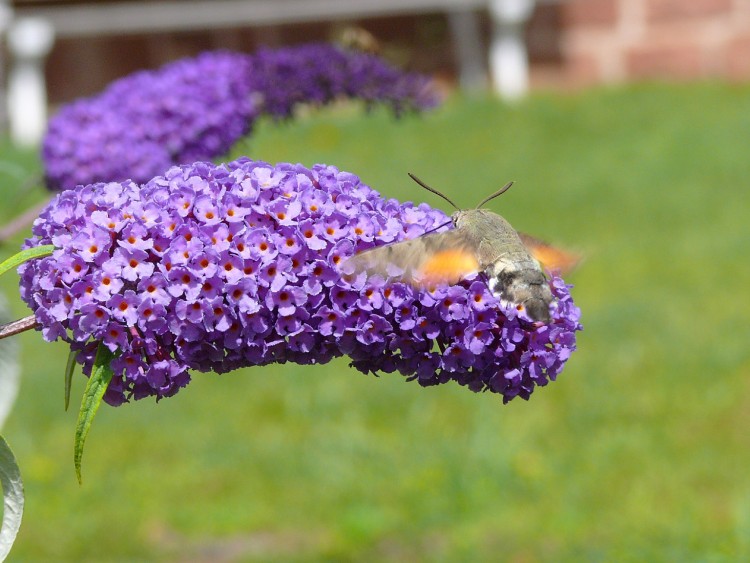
[[459, 216]]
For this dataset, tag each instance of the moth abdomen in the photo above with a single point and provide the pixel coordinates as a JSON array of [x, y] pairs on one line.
[[527, 287]]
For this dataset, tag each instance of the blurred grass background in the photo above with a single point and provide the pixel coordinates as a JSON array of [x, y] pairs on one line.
[[640, 451]]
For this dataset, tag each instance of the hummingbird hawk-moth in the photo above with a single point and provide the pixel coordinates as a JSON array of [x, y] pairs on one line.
[[482, 241]]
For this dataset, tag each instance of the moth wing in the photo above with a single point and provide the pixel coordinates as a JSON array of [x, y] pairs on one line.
[[440, 258], [552, 258]]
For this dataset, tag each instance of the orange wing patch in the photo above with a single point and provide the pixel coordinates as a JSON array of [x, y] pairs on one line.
[[448, 266], [551, 258]]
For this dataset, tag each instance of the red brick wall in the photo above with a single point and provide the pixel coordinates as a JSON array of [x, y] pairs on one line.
[[613, 41]]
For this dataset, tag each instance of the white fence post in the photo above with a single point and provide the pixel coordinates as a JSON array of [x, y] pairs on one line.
[[29, 40], [509, 60], [6, 16], [470, 53]]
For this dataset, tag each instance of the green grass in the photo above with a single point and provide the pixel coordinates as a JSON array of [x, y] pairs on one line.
[[638, 453]]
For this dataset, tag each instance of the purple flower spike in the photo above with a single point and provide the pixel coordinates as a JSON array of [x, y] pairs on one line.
[[319, 73], [142, 124], [173, 283], [197, 108]]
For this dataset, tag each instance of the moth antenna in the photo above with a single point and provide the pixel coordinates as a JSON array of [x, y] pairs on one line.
[[501, 191], [433, 190]]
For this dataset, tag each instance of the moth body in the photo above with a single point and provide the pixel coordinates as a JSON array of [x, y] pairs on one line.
[[512, 273], [482, 241]]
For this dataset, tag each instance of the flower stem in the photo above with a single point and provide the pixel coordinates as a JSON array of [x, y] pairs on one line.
[[15, 327]]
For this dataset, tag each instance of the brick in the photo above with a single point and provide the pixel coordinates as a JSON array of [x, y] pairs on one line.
[[581, 70], [660, 11], [679, 62], [590, 13], [543, 34], [738, 58]]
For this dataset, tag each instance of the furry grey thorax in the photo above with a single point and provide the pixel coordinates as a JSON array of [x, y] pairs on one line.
[[513, 274]]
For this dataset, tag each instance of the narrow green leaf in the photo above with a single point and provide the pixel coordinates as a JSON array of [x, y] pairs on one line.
[[101, 375], [10, 479], [70, 367], [26, 255]]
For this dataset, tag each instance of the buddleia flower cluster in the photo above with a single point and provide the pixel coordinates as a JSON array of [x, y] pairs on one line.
[[218, 267], [197, 108], [319, 73]]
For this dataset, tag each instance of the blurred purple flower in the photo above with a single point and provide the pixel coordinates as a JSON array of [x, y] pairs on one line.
[[319, 73], [142, 124], [197, 108], [171, 291]]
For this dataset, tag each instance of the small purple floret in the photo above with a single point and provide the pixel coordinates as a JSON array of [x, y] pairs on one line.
[[173, 283]]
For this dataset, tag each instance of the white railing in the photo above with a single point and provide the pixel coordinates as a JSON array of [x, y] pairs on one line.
[[505, 61]]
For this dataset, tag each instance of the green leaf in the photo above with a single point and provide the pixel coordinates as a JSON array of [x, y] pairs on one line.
[[26, 255], [70, 366], [10, 479], [101, 375]]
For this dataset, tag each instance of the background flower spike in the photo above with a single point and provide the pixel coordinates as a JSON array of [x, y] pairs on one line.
[[214, 100]]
